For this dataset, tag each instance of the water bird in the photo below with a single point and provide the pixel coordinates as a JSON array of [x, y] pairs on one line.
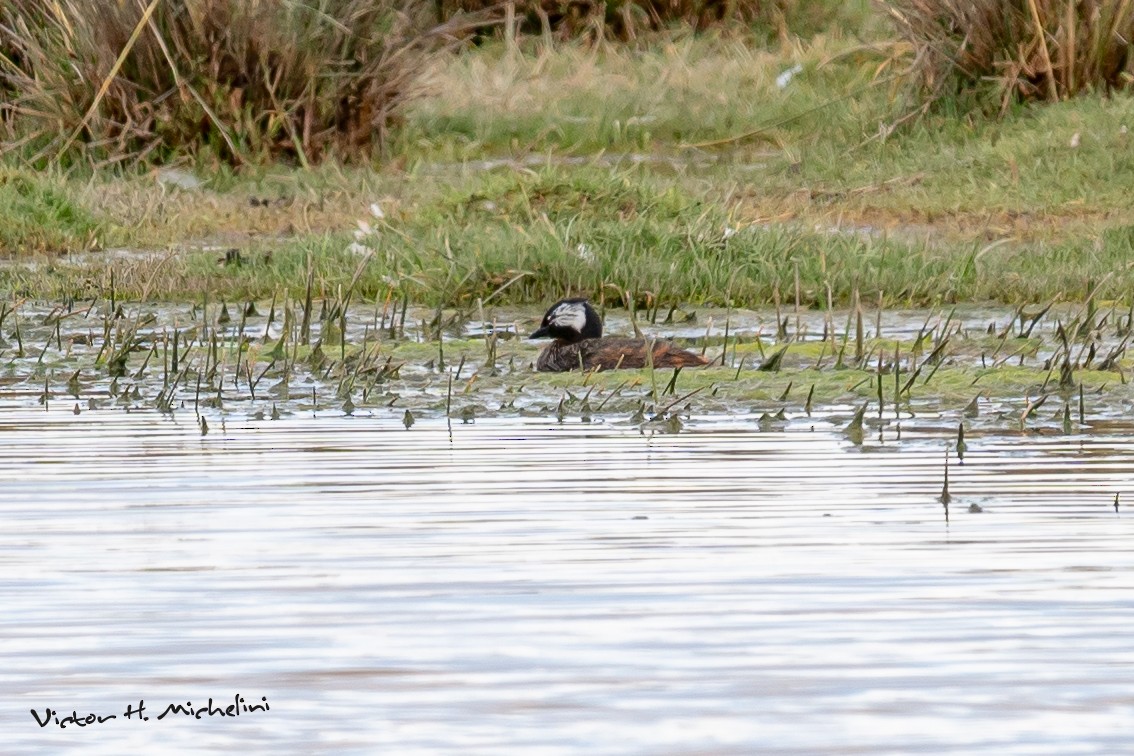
[[578, 343]]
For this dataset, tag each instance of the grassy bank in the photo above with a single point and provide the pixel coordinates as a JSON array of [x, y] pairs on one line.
[[682, 172]]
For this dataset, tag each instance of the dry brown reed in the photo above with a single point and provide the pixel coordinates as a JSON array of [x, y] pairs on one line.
[[1029, 49], [250, 80], [626, 19]]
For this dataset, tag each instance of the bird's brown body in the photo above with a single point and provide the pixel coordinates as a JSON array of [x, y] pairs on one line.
[[580, 345], [612, 353]]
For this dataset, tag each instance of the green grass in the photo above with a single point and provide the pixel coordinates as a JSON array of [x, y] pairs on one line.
[[39, 215], [534, 236], [819, 151], [596, 191], [667, 97], [581, 100]]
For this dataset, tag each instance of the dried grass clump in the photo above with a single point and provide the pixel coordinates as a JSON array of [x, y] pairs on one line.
[[250, 79], [1030, 49], [626, 19]]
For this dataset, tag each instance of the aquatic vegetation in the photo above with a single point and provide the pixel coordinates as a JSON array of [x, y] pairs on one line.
[[984, 369]]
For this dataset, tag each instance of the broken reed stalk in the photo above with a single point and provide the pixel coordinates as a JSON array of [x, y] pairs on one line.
[[727, 323], [859, 333], [878, 319], [631, 305], [197, 397], [798, 325], [934, 355], [728, 316], [708, 332], [822, 355], [780, 330], [897, 381], [830, 315], [878, 383], [839, 360], [43, 352], [610, 395], [449, 397], [19, 335], [759, 341], [164, 358], [653, 372], [305, 328], [671, 387], [946, 497], [681, 398], [1032, 406], [343, 323], [490, 360], [854, 428], [271, 319]]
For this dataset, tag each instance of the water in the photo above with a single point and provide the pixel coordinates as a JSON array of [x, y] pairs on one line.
[[516, 585]]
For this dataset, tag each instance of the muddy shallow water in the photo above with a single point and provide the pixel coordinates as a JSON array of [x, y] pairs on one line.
[[526, 586]]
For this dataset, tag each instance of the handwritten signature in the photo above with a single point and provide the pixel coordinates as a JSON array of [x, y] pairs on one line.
[[238, 707]]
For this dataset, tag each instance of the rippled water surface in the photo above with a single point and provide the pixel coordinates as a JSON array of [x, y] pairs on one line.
[[518, 585]]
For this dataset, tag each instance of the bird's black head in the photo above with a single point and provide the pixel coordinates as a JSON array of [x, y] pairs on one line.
[[570, 320]]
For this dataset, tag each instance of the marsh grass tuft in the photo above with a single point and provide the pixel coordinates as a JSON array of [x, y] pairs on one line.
[[152, 80], [1028, 49]]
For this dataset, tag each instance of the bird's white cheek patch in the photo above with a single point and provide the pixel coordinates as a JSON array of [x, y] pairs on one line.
[[570, 316]]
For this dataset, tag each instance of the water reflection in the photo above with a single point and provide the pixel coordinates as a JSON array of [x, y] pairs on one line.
[[516, 585]]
